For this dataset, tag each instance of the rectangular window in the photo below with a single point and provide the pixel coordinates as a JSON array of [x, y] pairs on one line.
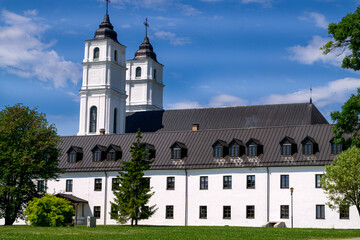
[[250, 181], [227, 182], [72, 157], [234, 151], [344, 212], [169, 212], [69, 185], [250, 211], [97, 211], [284, 211], [97, 156], [115, 183], [170, 183], [113, 212], [41, 186], [176, 153], [204, 183], [317, 180], [307, 149], [218, 152], [284, 181], [98, 184], [111, 156], [252, 150], [203, 212], [320, 211], [286, 149], [227, 212], [336, 148]]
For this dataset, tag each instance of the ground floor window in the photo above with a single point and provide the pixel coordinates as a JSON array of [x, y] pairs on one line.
[[113, 212], [284, 211], [41, 186], [320, 211], [169, 212], [227, 212], [203, 212], [344, 212], [250, 211], [97, 211]]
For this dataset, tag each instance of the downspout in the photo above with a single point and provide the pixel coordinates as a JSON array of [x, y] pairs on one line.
[[186, 197], [105, 197], [267, 194]]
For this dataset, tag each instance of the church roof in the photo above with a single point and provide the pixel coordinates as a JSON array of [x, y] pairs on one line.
[[106, 30], [200, 151], [225, 118], [146, 51]]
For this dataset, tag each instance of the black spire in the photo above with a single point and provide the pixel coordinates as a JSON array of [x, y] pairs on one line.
[[146, 49], [106, 29]]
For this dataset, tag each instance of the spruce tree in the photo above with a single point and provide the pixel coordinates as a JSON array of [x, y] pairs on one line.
[[132, 193]]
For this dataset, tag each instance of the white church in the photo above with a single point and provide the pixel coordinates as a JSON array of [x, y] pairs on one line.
[[237, 166]]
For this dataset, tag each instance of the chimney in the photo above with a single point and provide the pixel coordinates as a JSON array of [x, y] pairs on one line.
[[195, 127], [102, 131]]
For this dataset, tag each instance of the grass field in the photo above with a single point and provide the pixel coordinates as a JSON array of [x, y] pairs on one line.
[[161, 232]]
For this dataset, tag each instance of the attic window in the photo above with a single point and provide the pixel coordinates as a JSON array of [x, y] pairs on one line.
[[234, 151], [336, 148], [220, 148], [98, 153], [97, 156], [150, 151], [178, 150], [113, 153], [74, 154], [254, 148], [310, 146], [288, 146], [237, 148]]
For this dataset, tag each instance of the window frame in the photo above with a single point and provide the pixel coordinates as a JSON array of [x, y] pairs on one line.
[[237, 152], [170, 183], [93, 120], [202, 212], [227, 182], [111, 155], [176, 153], [336, 148], [69, 185], [113, 211], [96, 54], [169, 212], [318, 183], [40, 186], [204, 182], [284, 211], [250, 211], [97, 155], [344, 212], [115, 56], [306, 147], [286, 149], [218, 151], [226, 212], [72, 156], [287, 181], [97, 212], [252, 183], [320, 211], [115, 182], [98, 184], [138, 72]]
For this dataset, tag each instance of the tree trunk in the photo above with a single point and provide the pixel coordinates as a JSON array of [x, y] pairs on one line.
[[9, 221], [136, 222], [132, 222]]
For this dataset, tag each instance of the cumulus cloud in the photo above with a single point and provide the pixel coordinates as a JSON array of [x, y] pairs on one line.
[[185, 105], [333, 92], [264, 3], [24, 53], [311, 53], [172, 38], [318, 18]]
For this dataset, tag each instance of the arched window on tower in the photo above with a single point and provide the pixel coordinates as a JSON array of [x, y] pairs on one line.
[[115, 56], [138, 72], [93, 116], [96, 53], [115, 120], [154, 74]]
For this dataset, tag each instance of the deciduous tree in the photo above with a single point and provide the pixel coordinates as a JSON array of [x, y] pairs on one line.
[[133, 192], [28, 151]]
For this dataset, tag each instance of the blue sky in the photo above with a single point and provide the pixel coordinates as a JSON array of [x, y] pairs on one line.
[[216, 52]]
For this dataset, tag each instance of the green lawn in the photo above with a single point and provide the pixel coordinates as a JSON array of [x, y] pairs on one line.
[[154, 232]]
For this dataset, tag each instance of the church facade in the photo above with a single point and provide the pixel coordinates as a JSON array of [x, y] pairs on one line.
[[236, 166]]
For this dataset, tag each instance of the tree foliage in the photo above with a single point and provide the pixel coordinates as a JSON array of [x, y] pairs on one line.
[[346, 34], [133, 192], [347, 122], [28, 151], [49, 211], [341, 180]]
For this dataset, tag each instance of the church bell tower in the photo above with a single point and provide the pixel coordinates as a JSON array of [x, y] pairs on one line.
[[103, 96]]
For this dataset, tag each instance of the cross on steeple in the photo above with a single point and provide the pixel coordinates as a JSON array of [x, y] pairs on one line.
[[146, 26], [107, 6]]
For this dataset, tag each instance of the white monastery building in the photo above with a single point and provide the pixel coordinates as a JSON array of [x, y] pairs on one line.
[[214, 166]]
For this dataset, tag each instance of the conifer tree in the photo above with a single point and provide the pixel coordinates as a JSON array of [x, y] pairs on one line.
[[132, 193]]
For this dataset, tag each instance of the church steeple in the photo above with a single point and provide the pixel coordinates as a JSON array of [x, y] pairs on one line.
[[106, 29]]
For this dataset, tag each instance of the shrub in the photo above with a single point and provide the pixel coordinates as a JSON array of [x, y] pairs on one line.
[[49, 211]]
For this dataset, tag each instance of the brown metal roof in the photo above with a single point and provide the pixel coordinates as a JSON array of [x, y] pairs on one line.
[[225, 118], [199, 148], [71, 198]]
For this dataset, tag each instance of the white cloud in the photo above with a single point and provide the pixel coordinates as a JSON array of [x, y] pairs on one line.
[[311, 53], [126, 26], [264, 3], [185, 105], [225, 100], [23, 52], [318, 18], [172, 38], [334, 92]]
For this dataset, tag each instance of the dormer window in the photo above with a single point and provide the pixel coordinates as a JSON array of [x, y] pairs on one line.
[[310, 146], [288, 146], [150, 151], [138, 72], [74, 154], [236, 148], [178, 150], [220, 148], [113, 153], [96, 53], [336, 148], [99, 153], [254, 147]]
